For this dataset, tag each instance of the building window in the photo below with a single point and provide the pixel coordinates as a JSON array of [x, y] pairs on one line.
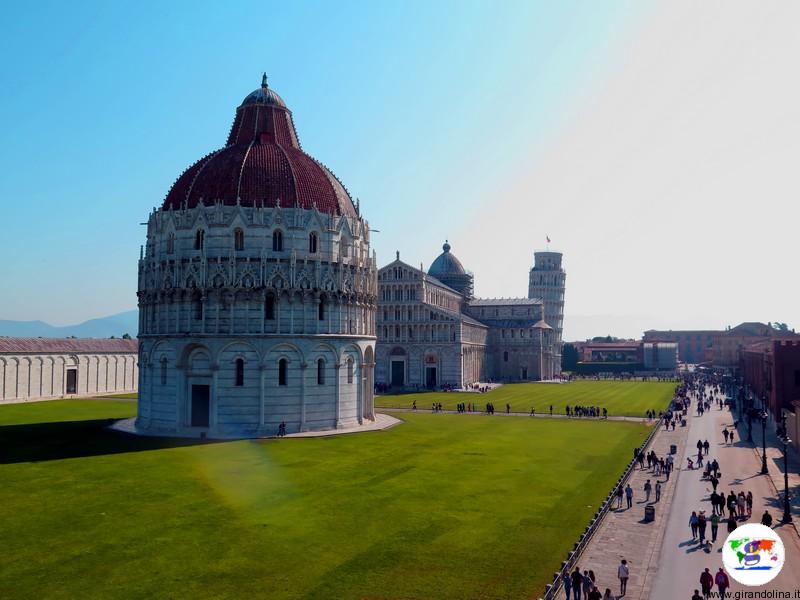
[[171, 243], [505, 356], [199, 239], [239, 372], [269, 308], [277, 241], [321, 309], [320, 372], [198, 308], [238, 239], [283, 367], [312, 242], [349, 370], [163, 370]]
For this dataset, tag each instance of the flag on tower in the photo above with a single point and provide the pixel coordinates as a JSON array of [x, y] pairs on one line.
[[548, 238]]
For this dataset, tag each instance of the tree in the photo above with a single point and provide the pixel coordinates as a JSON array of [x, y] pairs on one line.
[[780, 326], [126, 336], [569, 357]]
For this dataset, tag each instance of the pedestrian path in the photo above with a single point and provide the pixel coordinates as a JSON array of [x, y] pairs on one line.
[[538, 415], [681, 558], [625, 534]]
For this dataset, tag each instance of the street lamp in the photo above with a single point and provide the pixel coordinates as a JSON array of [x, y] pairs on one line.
[[764, 470], [784, 437], [749, 425]]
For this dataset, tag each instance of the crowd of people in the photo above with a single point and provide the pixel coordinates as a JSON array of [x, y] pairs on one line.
[[586, 411], [583, 585]]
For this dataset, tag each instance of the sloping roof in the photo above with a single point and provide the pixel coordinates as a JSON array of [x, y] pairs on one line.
[[32, 345], [504, 302]]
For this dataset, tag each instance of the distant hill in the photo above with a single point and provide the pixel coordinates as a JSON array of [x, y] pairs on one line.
[[116, 325]]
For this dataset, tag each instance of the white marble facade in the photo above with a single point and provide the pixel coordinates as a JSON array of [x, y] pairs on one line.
[[46, 369]]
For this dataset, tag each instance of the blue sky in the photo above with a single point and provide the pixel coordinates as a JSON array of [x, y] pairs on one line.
[[435, 114]]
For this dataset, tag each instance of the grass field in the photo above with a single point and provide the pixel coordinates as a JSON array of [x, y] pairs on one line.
[[627, 398], [441, 506]]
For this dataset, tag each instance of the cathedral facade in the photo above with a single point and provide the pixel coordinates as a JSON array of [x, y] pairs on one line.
[[257, 291], [433, 333]]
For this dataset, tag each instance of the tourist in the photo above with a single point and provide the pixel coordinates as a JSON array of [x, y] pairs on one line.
[[722, 582], [620, 494], [658, 491], [551, 410], [732, 504], [706, 582], [508, 408], [706, 446], [731, 524], [577, 580], [629, 495], [730, 435], [714, 526], [414, 405], [592, 577], [701, 526], [566, 582], [749, 501], [696, 595], [647, 488], [594, 594], [741, 503], [766, 519], [586, 584], [533, 411], [608, 595], [693, 524], [623, 573], [725, 434]]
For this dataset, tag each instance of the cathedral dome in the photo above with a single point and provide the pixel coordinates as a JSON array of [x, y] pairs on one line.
[[261, 164], [446, 264]]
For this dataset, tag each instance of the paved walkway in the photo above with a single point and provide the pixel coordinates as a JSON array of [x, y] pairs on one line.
[[682, 559], [624, 534], [538, 415], [382, 421]]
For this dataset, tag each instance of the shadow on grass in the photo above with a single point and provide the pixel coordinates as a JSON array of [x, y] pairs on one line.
[[76, 439]]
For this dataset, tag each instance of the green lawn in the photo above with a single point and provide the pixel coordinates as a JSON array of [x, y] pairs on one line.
[[443, 506], [628, 398]]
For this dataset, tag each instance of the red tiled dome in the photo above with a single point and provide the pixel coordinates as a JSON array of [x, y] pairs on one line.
[[261, 163]]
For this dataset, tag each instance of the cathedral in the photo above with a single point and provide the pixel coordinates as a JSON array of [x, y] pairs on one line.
[[432, 333], [257, 291]]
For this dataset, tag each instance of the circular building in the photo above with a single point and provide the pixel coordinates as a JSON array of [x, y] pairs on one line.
[[257, 291]]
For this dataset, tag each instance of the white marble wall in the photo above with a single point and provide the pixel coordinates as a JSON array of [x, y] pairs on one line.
[[26, 377]]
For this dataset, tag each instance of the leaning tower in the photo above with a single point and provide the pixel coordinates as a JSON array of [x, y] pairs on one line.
[[547, 281]]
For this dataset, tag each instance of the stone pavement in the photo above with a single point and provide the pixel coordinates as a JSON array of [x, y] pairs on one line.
[[624, 534]]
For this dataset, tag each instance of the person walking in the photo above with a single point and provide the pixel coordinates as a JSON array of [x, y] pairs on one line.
[[725, 434], [706, 582], [577, 580], [714, 527], [608, 595], [701, 526], [647, 488], [566, 582], [693, 524], [594, 594], [731, 524], [706, 446], [658, 491], [741, 503], [696, 595], [766, 519], [620, 494], [586, 584], [629, 495], [623, 573], [730, 435], [721, 579]]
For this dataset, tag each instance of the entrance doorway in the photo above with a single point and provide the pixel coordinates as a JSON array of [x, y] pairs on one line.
[[430, 377], [398, 373], [200, 405], [72, 381], [524, 372]]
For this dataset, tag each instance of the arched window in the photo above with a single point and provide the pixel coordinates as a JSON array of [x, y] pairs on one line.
[[320, 372], [312, 242], [350, 370], [505, 356], [283, 368], [199, 239], [321, 309], [238, 239], [277, 241], [269, 308], [163, 370], [239, 372], [171, 243]]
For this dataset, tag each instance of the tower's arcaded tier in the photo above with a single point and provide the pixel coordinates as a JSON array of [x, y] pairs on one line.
[[257, 291], [548, 282]]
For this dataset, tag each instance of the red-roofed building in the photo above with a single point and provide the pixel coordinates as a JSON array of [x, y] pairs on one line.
[[47, 368]]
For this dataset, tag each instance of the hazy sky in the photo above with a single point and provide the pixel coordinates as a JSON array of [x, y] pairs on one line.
[[657, 144]]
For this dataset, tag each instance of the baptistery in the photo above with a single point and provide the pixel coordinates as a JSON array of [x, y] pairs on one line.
[[257, 291]]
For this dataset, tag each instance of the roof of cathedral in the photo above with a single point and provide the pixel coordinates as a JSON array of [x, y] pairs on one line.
[[262, 163], [504, 301], [34, 345], [446, 264]]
